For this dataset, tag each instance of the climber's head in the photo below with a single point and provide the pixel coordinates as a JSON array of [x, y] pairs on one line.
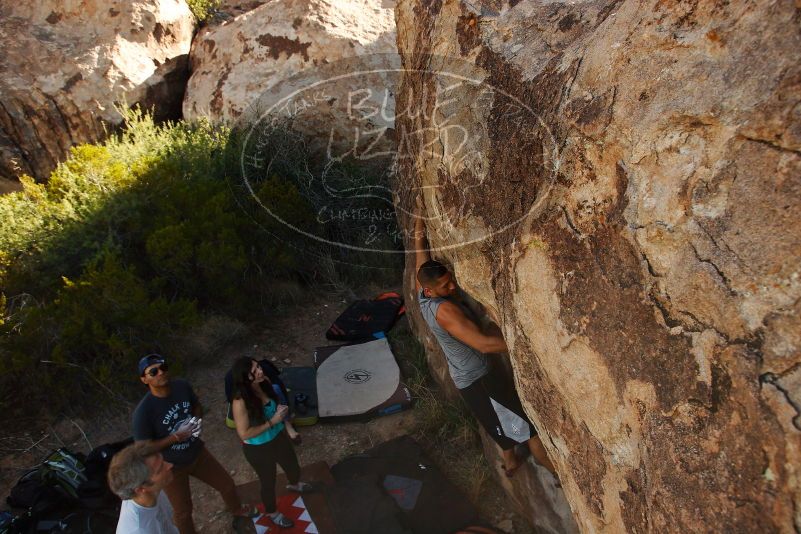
[[436, 280]]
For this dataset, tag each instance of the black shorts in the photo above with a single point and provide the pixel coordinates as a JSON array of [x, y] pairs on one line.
[[497, 407]]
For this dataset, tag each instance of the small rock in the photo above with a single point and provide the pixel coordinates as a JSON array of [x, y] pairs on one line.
[[273, 359], [506, 525], [287, 360]]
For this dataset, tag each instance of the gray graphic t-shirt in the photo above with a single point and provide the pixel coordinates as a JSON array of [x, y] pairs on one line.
[[157, 418]]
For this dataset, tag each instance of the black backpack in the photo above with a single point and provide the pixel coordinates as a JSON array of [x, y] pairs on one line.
[[29, 489], [94, 493], [62, 521], [67, 494], [55, 480]]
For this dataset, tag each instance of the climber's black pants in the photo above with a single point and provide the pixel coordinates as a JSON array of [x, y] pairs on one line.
[[497, 407]]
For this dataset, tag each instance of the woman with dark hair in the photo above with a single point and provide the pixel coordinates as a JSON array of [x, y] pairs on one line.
[[260, 424]]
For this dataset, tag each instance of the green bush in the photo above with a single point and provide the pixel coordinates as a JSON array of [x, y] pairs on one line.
[[202, 9], [128, 244], [93, 330], [132, 242]]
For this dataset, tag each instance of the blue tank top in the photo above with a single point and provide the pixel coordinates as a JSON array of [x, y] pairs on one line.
[[270, 433], [465, 364]]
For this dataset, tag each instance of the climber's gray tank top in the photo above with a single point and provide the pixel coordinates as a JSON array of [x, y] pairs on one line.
[[465, 364]]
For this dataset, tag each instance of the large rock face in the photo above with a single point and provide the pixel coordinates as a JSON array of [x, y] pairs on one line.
[[641, 204], [264, 55], [65, 64]]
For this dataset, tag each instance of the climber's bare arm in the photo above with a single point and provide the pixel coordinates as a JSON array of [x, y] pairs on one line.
[[422, 254], [452, 318]]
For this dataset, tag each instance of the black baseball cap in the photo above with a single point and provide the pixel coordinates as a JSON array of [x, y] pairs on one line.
[[147, 361]]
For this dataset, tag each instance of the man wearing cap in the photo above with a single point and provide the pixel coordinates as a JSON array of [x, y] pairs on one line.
[[169, 416]]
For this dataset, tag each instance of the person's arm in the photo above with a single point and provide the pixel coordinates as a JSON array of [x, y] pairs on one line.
[[142, 431], [422, 254], [452, 318], [242, 420]]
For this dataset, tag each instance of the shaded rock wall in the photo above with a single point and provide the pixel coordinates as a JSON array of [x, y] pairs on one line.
[[641, 209], [66, 64]]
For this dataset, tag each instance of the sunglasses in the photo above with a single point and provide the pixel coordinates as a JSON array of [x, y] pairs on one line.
[[153, 371]]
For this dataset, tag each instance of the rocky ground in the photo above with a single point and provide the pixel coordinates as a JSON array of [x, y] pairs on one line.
[[288, 341]]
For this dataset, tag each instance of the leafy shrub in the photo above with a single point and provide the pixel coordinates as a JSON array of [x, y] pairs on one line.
[[132, 242], [93, 329], [202, 9], [128, 244]]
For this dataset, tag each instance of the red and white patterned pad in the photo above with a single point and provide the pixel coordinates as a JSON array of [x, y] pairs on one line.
[[294, 508]]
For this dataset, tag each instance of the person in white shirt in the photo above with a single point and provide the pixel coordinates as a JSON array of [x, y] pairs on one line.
[[137, 475]]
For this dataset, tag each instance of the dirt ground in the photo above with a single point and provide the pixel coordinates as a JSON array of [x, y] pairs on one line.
[[289, 340]]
